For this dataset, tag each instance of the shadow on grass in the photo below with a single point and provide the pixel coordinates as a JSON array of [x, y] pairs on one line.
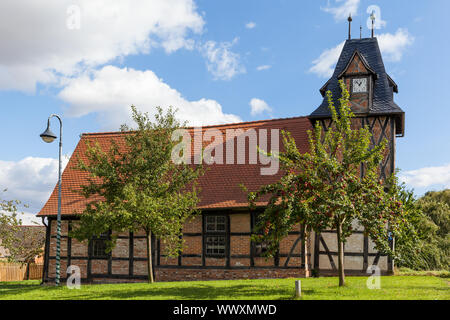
[[199, 291], [19, 288], [146, 291]]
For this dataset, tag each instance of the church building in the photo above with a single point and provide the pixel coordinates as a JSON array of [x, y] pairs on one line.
[[218, 241]]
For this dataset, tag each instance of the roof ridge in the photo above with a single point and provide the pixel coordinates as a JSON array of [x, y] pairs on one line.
[[111, 133], [363, 39]]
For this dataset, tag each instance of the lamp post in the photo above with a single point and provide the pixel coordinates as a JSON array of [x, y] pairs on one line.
[[48, 136]]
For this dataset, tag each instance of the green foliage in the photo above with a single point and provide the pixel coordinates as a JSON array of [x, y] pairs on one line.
[[9, 223], [404, 271], [23, 244], [323, 188], [439, 196], [432, 222], [135, 186]]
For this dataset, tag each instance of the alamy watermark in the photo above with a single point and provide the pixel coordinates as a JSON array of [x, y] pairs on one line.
[[74, 278], [374, 281], [228, 148], [73, 21]]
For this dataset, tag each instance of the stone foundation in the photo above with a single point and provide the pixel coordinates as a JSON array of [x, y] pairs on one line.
[[177, 274]]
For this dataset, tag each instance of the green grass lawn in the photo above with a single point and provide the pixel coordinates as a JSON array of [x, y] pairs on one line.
[[392, 288]]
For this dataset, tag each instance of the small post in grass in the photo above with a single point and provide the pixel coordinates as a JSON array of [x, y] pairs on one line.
[[298, 288]]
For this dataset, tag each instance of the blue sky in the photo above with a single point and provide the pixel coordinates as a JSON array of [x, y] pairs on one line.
[[217, 61]]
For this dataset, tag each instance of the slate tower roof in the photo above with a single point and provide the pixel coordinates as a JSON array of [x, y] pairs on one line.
[[384, 87]]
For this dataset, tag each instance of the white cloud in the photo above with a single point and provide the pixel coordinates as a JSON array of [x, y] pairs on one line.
[[30, 180], [259, 106], [38, 46], [263, 67], [250, 25], [428, 176], [221, 61], [342, 8], [111, 91], [29, 218], [324, 65], [392, 47]]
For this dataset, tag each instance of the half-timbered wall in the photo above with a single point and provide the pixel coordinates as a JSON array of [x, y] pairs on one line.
[[127, 261], [359, 249]]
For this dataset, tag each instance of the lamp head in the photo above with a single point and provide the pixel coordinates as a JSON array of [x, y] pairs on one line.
[[48, 136]]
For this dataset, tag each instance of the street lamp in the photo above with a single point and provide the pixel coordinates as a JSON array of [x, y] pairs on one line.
[[48, 136]]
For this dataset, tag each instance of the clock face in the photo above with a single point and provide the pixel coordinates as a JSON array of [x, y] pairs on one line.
[[359, 85]]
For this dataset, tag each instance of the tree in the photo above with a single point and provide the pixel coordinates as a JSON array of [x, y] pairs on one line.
[[135, 186], [9, 222], [432, 223], [323, 188], [24, 244]]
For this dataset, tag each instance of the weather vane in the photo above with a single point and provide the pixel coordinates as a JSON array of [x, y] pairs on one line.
[[372, 17]]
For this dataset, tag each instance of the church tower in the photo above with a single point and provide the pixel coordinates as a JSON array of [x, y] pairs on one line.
[[371, 90]]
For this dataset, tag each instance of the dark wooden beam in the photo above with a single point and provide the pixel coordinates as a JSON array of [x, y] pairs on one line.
[[251, 244], [330, 257], [225, 267], [203, 240], [302, 249], [366, 252], [180, 262], [89, 262], [316, 251], [69, 243], [192, 234], [47, 250], [291, 252], [110, 256], [228, 239], [158, 244], [131, 254]]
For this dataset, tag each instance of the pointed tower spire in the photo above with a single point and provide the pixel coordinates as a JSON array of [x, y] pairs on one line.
[[350, 26], [360, 31]]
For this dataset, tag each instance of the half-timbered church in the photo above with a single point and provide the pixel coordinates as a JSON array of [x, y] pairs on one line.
[[217, 243]]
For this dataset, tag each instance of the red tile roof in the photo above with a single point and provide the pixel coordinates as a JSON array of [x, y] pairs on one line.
[[219, 185]]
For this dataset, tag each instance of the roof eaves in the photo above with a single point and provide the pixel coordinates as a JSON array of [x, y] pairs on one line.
[[393, 84], [323, 90]]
